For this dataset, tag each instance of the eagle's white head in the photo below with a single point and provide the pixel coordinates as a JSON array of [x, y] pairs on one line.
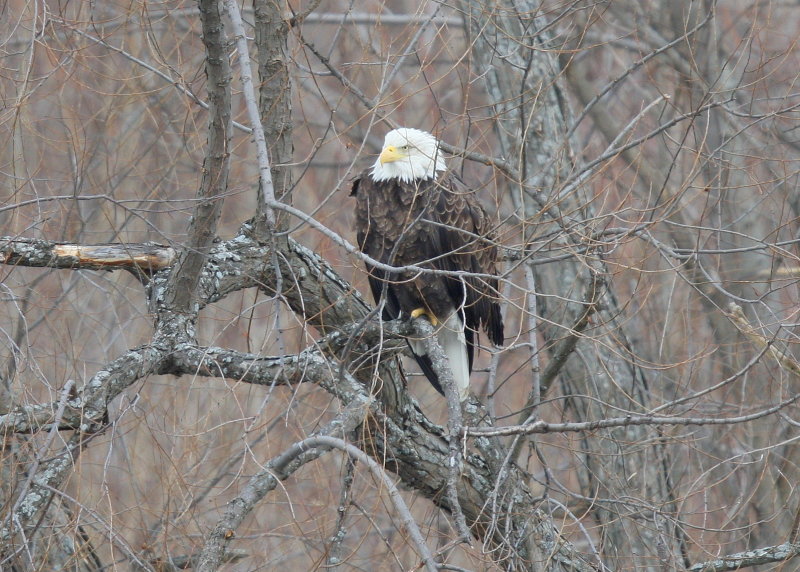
[[408, 154]]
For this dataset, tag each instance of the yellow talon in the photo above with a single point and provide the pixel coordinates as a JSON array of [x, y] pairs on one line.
[[423, 312]]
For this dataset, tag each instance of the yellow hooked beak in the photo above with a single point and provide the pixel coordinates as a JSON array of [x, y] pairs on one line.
[[391, 154]]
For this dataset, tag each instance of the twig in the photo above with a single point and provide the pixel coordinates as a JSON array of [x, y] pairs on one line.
[[636, 65], [591, 166], [326, 442], [174, 82], [372, 105], [586, 535], [627, 421], [561, 353], [276, 470]]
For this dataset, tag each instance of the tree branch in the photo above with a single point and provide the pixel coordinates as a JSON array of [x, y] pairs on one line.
[[89, 411], [141, 259], [266, 190], [181, 293], [748, 558], [278, 469], [425, 332], [628, 421]]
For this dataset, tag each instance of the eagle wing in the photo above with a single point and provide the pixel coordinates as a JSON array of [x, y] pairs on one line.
[[374, 242], [466, 243]]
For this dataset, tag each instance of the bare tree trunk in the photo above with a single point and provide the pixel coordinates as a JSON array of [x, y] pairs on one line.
[[597, 378], [275, 93]]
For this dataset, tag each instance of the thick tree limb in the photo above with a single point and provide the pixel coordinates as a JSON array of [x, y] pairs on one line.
[[142, 258], [411, 445], [181, 293], [311, 365], [274, 105]]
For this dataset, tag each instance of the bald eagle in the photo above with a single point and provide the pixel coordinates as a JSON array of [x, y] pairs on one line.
[[410, 211]]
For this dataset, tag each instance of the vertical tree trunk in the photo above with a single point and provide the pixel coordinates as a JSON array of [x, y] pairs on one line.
[[275, 93], [522, 74]]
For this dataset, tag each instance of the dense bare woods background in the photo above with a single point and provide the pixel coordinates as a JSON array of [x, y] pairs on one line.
[[642, 159]]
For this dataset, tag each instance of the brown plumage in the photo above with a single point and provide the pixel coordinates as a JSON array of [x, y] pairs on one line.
[[410, 213]]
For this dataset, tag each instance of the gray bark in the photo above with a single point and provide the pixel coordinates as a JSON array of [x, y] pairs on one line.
[[523, 75], [412, 447], [582, 362]]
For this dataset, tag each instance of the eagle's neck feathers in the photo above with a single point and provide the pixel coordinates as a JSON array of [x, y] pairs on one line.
[[403, 173]]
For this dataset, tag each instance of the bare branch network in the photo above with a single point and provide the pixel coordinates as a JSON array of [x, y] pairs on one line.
[[233, 401]]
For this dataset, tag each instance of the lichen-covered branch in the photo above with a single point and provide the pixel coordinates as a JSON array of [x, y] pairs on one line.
[[412, 446], [749, 558], [455, 420], [140, 258]]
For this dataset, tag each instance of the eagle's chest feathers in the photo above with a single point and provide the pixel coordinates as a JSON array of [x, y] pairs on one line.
[[398, 220]]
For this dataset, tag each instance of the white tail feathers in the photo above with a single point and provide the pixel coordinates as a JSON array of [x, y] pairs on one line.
[[451, 338], [454, 344]]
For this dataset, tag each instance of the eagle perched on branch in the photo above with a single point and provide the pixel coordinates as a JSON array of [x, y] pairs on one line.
[[411, 212]]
